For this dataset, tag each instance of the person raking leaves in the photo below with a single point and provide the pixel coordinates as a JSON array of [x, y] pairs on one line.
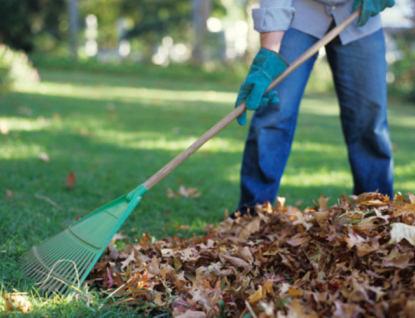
[[357, 60]]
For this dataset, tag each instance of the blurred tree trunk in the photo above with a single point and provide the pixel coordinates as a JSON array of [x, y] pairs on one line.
[[201, 12], [73, 27]]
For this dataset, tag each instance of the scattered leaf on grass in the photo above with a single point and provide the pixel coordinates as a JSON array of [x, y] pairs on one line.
[[56, 117], [189, 192], [44, 157], [70, 180], [182, 227], [118, 236], [17, 302], [171, 194]]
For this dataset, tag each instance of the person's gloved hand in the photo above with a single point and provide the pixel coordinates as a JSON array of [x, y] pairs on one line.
[[370, 8], [266, 66]]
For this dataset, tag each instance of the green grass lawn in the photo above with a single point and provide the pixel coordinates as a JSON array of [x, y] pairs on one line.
[[115, 131]]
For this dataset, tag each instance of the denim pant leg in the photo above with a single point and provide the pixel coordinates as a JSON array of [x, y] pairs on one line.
[[271, 133], [359, 71]]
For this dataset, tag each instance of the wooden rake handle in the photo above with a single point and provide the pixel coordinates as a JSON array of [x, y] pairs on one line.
[[241, 108]]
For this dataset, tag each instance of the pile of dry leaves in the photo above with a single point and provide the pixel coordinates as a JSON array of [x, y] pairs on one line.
[[353, 259]]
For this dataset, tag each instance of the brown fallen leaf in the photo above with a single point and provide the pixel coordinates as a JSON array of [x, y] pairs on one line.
[[118, 236], [409, 309], [17, 302], [237, 262], [397, 259], [257, 296], [70, 180], [354, 240], [372, 223], [321, 219], [127, 262], [182, 227], [299, 240], [402, 231], [299, 218], [346, 310], [367, 248], [171, 194], [56, 117], [295, 310], [322, 201], [246, 254], [188, 314], [44, 156], [406, 209], [261, 293], [189, 192], [250, 228], [294, 292]]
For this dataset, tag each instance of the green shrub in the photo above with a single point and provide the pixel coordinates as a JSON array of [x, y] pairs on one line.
[[233, 74], [15, 67], [404, 71]]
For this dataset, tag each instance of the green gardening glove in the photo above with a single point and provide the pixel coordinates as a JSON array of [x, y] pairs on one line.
[[370, 8], [267, 65]]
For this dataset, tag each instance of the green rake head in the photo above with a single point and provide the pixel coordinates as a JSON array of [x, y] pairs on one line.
[[61, 263]]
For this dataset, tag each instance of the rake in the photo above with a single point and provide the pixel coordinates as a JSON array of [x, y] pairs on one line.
[[61, 263]]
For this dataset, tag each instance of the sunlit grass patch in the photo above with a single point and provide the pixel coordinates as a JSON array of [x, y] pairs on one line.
[[319, 178], [131, 94]]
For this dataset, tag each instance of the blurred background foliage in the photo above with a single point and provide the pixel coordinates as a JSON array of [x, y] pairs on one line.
[[402, 66], [170, 37], [25, 23], [15, 67]]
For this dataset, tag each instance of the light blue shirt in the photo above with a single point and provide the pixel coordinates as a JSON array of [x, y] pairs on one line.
[[312, 17]]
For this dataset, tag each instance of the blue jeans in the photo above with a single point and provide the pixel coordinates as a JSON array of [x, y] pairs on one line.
[[359, 73]]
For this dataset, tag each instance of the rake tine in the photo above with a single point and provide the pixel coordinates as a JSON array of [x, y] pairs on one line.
[[52, 286], [70, 261], [50, 253], [70, 267], [37, 273], [80, 264], [61, 288], [27, 265], [45, 286], [84, 266]]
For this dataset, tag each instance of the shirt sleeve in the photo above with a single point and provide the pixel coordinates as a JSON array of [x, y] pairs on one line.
[[273, 15]]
